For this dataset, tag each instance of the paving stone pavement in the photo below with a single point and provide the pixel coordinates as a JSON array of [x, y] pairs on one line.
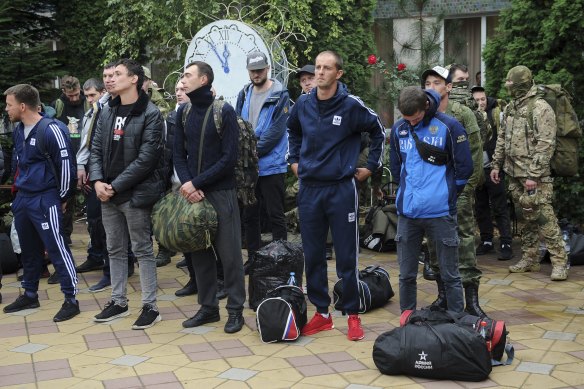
[[544, 319]]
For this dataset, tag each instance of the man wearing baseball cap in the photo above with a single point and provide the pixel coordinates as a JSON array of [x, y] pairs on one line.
[[440, 80], [265, 103], [306, 78]]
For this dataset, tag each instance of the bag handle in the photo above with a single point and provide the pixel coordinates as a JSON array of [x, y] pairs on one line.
[[510, 352], [447, 317], [203, 138]]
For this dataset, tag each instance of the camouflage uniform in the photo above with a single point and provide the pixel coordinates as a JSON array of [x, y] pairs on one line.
[[158, 100], [461, 94], [467, 261], [525, 153]]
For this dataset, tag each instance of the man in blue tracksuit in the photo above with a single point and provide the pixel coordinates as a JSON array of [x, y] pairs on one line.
[[265, 103], [431, 160], [325, 136], [44, 184]]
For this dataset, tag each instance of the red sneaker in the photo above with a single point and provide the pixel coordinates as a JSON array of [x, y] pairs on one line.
[[318, 323], [355, 330]]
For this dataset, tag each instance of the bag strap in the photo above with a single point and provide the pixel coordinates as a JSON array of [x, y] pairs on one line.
[[40, 136], [510, 352], [203, 138]]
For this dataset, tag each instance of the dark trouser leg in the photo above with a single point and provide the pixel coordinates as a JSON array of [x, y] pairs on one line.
[[408, 239], [227, 244], [272, 190], [483, 211], [498, 196], [203, 262], [313, 228], [68, 217]]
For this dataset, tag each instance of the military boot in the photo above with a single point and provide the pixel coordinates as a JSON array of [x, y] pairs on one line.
[[164, 255], [524, 265], [559, 273], [440, 301], [471, 296]]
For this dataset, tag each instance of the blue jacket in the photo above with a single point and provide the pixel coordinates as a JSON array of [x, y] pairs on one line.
[[426, 190], [34, 174], [325, 137], [271, 127]]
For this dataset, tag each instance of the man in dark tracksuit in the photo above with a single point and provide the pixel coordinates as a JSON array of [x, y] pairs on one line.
[[214, 181], [325, 137], [44, 185]]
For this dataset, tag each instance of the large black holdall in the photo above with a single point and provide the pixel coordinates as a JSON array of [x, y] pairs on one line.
[[271, 268], [282, 314], [374, 289], [435, 347], [496, 333]]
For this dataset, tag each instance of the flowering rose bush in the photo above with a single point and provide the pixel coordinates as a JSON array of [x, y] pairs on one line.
[[396, 76]]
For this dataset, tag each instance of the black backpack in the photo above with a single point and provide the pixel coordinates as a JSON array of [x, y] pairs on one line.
[[496, 332], [374, 289], [282, 314], [434, 347]]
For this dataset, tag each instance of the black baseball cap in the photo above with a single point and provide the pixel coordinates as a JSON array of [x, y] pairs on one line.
[[477, 88], [305, 69]]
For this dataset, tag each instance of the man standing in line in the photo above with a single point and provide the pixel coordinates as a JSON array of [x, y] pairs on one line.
[[524, 151], [126, 168], [214, 181], [431, 160], [440, 80], [45, 181], [325, 136], [306, 78], [265, 104], [491, 196], [70, 108]]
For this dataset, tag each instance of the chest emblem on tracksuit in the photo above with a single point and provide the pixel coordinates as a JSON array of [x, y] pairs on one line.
[[33, 142], [337, 120], [351, 217], [433, 129], [64, 153], [45, 226]]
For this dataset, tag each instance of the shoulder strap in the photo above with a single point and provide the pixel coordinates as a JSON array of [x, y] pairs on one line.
[[40, 145], [203, 138], [217, 116], [59, 105], [530, 105], [185, 113]]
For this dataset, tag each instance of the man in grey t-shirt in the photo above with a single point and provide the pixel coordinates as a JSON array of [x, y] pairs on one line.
[[265, 104]]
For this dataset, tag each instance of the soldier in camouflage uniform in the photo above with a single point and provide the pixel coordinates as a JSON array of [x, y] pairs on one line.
[[524, 153], [439, 79]]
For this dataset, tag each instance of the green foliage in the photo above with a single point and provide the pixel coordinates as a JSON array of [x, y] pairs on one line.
[[396, 76], [26, 57], [547, 37], [160, 30], [81, 26]]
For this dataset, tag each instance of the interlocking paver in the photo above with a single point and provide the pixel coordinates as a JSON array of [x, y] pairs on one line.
[[543, 318]]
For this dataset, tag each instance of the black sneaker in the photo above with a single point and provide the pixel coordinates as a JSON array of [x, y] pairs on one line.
[[484, 248], [53, 279], [506, 252], [90, 265], [147, 318], [234, 323], [21, 303], [68, 311], [182, 263], [110, 312], [102, 284]]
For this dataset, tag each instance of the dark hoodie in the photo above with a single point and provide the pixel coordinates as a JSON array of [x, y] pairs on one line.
[[325, 137]]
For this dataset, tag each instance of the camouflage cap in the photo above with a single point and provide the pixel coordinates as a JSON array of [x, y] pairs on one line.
[[519, 75]]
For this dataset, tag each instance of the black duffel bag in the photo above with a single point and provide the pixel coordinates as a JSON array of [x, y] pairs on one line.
[[435, 347], [374, 289], [271, 268], [282, 314]]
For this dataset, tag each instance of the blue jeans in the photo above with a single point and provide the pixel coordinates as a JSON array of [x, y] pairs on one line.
[[123, 223], [442, 231]]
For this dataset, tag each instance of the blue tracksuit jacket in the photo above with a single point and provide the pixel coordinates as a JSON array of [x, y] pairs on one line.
[[426, 190]]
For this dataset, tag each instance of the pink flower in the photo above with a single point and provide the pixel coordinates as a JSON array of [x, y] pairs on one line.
[[372, 59], [401, 67]]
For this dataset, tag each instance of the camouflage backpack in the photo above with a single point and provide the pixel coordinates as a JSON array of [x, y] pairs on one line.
[[246, 169], [564, 162]]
